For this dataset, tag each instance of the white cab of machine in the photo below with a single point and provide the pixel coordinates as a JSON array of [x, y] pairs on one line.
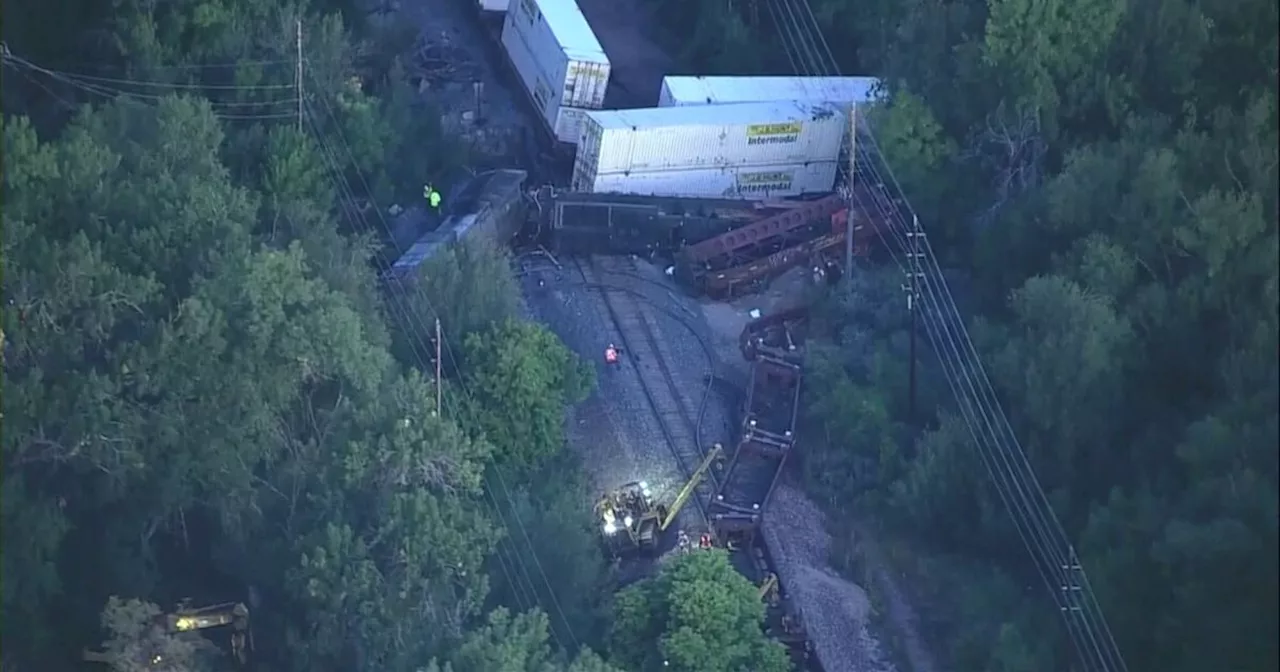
[[745, 182], [494, 5], [689, 90], [708, 136], [559, 61]]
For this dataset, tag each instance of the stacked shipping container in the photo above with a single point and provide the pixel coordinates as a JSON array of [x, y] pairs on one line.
[[689, 90], [559, 61], [755, 150]]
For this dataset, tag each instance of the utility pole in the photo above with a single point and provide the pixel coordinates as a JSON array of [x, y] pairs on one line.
[[439, 396], [298, 83], [915, 280], [848, 213]]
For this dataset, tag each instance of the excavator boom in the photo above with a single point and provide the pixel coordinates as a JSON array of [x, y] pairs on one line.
[[687, 491]]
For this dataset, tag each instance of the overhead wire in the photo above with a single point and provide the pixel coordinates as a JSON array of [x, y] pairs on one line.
[[403, 313], [1005, 461], [83, 83], [447, 348], [525, 593], [1056, 550], [176, 85]]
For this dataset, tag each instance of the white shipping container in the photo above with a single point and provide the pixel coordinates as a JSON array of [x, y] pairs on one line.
[[559, 60], [688, 90], [493, 5], [564, 122], [708, 136], [746, 182]]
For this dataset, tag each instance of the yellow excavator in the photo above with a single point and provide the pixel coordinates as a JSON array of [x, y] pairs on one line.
[[632, 519], [186, 619]]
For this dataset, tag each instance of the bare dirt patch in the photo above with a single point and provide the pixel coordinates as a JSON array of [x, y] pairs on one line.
[[627, 29]]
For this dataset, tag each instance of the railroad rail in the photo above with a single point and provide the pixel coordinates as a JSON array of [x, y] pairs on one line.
[[633, 320], [756, 465]]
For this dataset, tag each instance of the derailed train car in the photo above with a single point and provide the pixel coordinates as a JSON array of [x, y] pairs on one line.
[[765, 441], [720, 247], [774, 346], [578, 223], [491, 207], [807, 232]]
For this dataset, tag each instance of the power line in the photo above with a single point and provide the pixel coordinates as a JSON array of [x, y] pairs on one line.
[[503, 489], [403, 314], [1037, 525], [29, 70], [173, 85]]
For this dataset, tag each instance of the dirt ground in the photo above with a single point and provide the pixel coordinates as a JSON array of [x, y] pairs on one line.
[[610, 427], [454, 52], [627, 31]]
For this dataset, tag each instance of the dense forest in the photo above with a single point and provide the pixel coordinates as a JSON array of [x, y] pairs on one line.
[[209, 398], [1103, 177]]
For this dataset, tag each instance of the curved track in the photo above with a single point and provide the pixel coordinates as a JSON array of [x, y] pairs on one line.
[[631, 314]]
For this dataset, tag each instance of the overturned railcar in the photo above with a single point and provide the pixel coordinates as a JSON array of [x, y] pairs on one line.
[[765, 441]]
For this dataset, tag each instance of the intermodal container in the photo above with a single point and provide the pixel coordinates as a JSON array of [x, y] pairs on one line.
[[689, 90], [736, 182], [708, 136], [559, 61]]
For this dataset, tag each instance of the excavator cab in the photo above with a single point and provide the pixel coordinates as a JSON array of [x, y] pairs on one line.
[[629, 516], [234, 614]]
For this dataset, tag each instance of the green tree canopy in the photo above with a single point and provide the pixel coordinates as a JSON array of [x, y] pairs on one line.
[[698, 615]]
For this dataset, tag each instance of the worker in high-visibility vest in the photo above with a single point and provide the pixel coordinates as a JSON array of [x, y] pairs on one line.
[[432, 196]]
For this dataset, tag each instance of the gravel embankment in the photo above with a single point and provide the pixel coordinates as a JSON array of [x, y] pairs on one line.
[[837, 613], [620, 440]]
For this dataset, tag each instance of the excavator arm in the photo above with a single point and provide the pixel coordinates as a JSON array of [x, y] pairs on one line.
[[687, 491], [769, 585]]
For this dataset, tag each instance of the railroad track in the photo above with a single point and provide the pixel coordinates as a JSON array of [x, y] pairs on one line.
[[633, 317]]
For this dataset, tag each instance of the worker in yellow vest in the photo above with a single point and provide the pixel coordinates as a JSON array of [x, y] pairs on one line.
[[432, 196]]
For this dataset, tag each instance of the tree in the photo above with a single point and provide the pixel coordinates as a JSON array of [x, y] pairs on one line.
[[137, 641], [702, 615], [201, 394], [393, 535], [550, 520], [507, 643], [524, 377], [469, 287], [1115, 175]]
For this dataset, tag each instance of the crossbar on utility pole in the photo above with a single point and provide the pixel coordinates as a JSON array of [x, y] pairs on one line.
[[915, 278], [298, 80], [848, 213], [439, 395]]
